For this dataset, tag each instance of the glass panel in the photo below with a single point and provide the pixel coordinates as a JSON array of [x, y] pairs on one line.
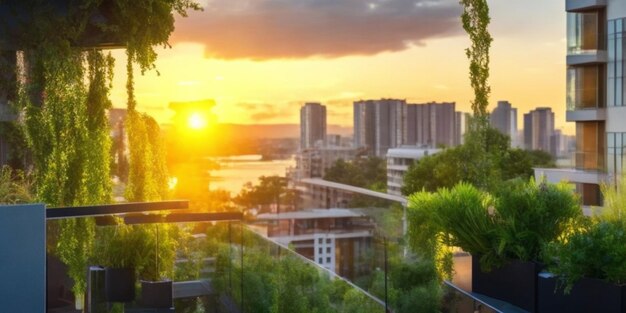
[[590, 146], [583, 87], [583, 32]]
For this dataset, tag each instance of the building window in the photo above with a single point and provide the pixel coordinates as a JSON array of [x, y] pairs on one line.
[[615, 68], [320, 250], [320, 241], [328, 250], [584, 87], [328, 241], [585, 32], [328, 260], [616, 152], [320, 261]]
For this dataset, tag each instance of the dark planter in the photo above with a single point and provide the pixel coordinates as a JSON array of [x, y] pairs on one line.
[[587, 295], [515, 283], [119, 284], [156, 294]]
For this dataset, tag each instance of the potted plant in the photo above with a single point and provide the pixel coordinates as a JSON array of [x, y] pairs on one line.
[[588, 268], [157, 264], [589, 272], [504, 232], [118, 250]]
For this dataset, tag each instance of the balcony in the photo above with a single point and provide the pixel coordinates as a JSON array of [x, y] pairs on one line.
[[584, 5], [586, 44], [556, 175], [585, 93]]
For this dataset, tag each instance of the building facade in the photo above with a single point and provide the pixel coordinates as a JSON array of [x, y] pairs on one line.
[[380, 125], [337, 239], [504, 119], [314, 162], [312, 125], [539, 129], [398, 162], [432, 124], [595, 95]]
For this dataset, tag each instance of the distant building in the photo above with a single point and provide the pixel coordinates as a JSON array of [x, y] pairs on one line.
[[538, 129], [337, 239], [504, 119], [314, 162], [333, 140], [461, 127], [398, 162], [379, 125], [432, 124], [312, 125]]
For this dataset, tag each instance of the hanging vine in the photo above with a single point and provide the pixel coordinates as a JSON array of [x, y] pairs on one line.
[[63, 90]]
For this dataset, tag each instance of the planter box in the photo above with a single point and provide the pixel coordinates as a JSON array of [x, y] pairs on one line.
[[119, 284], [156, 294], [587, 295], [515, 283]]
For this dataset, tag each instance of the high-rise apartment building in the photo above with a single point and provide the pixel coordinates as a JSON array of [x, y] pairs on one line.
[[504, 119], [380, 125], [312, 125], [538, 129], [596, 94], [432, 124]]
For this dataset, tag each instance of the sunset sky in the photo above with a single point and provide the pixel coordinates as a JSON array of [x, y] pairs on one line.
[[261, 59]]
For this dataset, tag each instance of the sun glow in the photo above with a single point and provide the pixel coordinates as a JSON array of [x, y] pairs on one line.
[[197, 121]]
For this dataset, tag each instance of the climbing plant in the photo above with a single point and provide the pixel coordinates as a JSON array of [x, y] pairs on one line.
[[64, 81]]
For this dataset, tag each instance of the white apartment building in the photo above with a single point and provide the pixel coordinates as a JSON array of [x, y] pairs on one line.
[[398, 162], [596, 95]]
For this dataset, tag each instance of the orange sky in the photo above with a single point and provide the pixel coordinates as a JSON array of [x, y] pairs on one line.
[[260, 73]]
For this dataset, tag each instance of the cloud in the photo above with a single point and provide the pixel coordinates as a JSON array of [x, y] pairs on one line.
[[265, 111], [271, 29]]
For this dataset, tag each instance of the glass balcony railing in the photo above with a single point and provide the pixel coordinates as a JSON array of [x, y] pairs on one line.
[[584, 88], [585, 33], [217, 267]]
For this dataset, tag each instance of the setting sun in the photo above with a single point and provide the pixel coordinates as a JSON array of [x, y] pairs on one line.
[[197, 121]]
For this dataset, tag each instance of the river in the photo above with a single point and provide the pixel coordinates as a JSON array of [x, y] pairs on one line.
[[235, 171]]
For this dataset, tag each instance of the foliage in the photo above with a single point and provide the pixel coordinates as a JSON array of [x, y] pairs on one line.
[[15, 186], [64, 91], [595, 252], [276, 280], [531, 215], [462, 164], [369, 173], [147, 175], [270, 190], [595, 249], [360, 172], [74, 248], [475, 20], [138, 247], [516, 223]]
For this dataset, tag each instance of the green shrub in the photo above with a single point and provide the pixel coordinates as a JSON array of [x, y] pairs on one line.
[[530, 215], [515, 224], [596, 252]]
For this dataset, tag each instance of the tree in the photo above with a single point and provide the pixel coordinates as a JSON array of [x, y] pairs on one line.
[[461, 164], [270, 190]]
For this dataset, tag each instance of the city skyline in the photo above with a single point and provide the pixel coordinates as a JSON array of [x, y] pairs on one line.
[[249, 89]]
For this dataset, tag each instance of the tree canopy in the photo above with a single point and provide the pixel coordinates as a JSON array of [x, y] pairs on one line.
[[459, 164]]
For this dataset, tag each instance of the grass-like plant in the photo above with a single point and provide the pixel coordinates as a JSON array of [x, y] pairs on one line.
[[531, 215], [598, 252], [516, 223], [597, 249]]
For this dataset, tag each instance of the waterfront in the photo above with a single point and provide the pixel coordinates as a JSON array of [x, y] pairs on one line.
[[235, 171]]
